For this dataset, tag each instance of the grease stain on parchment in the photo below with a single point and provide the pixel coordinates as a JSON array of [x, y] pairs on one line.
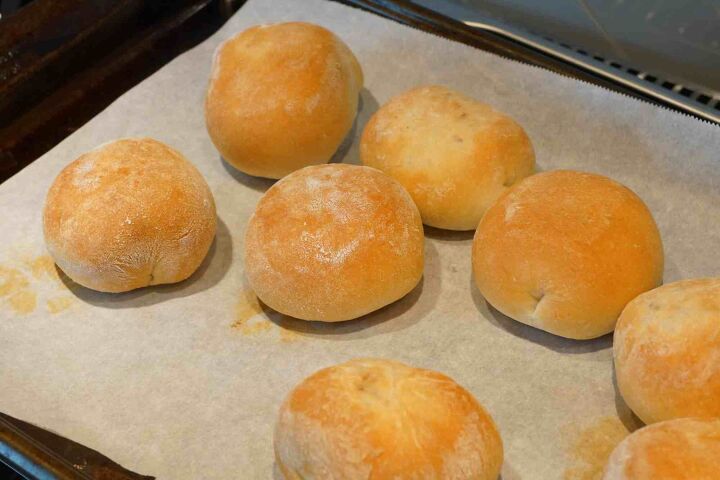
[[24, 281], [590, 446], [247, 315], [288, 336], [23, 302], [59, 304], [15, 290], [42, 267], [251, 320]]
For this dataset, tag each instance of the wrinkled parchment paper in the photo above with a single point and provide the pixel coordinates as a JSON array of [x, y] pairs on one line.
[[184, 381]]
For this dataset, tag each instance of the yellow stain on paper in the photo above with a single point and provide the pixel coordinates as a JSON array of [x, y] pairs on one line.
[[251, 320], [288, 336], [42, 267], [19, 286], [23, 302], [11, 281], [591, 447], [246, 315], [58, 304], [15, 290]]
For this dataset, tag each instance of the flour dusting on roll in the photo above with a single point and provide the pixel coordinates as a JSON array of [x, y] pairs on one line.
[[382, 419], [667, 351], [334, 242], [454, 154], [681, 449], [281, 97], [128, 214]]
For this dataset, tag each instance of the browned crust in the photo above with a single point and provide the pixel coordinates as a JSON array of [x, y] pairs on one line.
[[681, 449], [453, 154], [565, 251], [667, 351], [129, 214], [381, 419], [281, 97], [334, 242]]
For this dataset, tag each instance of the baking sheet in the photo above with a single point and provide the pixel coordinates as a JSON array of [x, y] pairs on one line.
[[184, 381]]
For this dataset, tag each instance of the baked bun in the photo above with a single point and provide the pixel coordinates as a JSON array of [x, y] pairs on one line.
[[565, 251], [453, 154], [667, 351], [281, 97], [128, 214], [384, 420], [681, 449], [334, 242]]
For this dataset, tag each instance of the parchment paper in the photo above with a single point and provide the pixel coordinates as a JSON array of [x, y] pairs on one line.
[[184, 381]]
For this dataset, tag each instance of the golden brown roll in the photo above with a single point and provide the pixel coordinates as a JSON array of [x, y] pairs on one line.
[[334, 242], [281, 97], [667, 351], [131, 213], [453, 154], [565, 251], [385, 420], [681, 449]]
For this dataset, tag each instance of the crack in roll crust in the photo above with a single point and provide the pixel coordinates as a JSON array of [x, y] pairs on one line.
[[681, 449], [453, 154], [381, 419], [334, 242], [128, 214], [565, 251], [281, 97], [667, 351]]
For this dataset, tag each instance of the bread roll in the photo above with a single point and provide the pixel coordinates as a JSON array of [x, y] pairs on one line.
[[334, 242], [128, 214], [565, 251], [682, 449], [384, 420], [453, 154], [667, 351], [281, 97]]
